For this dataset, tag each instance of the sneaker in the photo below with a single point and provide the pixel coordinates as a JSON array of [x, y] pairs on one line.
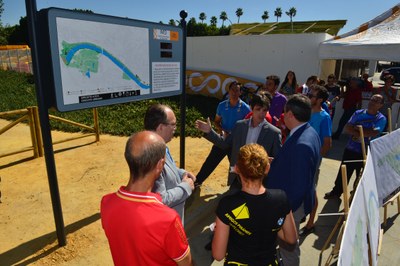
[[331, 195], [306, 231]]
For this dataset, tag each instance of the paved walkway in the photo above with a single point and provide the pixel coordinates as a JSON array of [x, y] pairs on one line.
[[311, 246]]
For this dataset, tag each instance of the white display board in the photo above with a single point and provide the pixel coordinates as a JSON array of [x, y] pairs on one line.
[[99, 60], [385, 153]]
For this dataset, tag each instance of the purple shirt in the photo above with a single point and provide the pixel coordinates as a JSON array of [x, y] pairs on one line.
[[277, 104]]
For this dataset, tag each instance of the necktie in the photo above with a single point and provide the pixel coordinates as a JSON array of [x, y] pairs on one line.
[[169, 154]]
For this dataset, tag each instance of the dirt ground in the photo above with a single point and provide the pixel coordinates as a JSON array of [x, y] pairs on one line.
[[86, 171]]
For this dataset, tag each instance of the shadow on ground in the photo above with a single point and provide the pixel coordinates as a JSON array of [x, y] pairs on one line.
[[20, 253], [200, 213]]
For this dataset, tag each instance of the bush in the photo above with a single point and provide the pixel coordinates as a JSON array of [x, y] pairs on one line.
[[18, 92]]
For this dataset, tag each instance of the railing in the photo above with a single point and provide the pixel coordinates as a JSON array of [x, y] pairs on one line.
[[31, 114]]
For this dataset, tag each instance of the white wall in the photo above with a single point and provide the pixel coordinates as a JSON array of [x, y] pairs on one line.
[[255, 57]]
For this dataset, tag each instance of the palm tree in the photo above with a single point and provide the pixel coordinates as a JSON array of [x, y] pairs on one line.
[[265, 16], [223, 17], [202, 16], [172, 22], [239, 13], [213, 21], [291, 13], [278, 13]]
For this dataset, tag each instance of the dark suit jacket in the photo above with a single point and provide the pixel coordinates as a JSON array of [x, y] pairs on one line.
[[270, 138], [293, 169]]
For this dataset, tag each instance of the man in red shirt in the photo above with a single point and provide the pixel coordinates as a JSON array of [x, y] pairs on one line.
[[352, 102], [140, 229]]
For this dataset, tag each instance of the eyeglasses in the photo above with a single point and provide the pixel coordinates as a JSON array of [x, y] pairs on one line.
[[170, 124], [376, 100]]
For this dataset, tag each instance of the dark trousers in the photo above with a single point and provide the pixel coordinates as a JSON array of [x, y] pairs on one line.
[[350, 167], [343, 121], [213, 159]]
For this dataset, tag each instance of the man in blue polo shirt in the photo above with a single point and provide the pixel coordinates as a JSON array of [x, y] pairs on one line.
[[373, 122], [228, 112]]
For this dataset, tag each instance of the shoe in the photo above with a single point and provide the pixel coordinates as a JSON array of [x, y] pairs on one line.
[[331, 195], [306, 231]]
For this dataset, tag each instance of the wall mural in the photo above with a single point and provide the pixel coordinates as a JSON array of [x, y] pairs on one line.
[[214, 84]]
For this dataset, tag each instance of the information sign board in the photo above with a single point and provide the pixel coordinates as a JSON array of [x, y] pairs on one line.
[[97, 60]]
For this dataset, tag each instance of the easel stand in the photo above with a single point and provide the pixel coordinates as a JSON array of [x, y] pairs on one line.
[[391, 201], [340, 224]]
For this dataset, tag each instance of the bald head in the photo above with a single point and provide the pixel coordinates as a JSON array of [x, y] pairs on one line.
[[143, 151]]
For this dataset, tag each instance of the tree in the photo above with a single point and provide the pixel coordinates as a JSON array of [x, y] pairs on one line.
[[172, 22], [278, 13], [239, 13], [18, 34], [223, 17], [213, 21], [291, 13], [202, 17], [265, 16]]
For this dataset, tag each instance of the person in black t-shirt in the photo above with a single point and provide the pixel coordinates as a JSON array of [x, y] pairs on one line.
[[249, 221]]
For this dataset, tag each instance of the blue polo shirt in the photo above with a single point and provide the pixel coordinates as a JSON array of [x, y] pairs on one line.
[[231, 114]]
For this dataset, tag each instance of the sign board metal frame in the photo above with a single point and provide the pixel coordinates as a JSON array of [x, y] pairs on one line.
[[97, 60]]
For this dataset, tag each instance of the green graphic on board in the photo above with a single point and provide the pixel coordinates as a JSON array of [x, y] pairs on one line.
[[85, 57]]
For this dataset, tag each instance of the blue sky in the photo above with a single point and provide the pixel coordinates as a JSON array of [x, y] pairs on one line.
[[355, 12]]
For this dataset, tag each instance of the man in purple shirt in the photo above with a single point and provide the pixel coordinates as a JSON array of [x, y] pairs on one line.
[[278, 100]]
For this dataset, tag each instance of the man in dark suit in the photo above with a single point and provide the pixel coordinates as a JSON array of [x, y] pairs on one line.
[[253, 130], [293, 169]]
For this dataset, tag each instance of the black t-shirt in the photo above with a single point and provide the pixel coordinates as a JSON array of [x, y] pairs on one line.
[[254, 222], [333, 91]]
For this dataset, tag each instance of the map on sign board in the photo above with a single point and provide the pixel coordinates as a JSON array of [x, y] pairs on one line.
[[96, 68]]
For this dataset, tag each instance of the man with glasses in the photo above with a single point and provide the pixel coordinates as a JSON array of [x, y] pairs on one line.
[[373, 122], [174, 185]]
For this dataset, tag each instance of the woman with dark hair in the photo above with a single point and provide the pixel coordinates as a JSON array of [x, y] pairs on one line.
[[289, 85], [249, 221]]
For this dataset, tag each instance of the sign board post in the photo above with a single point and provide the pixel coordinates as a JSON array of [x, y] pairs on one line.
[[183, 14], [31, 12]]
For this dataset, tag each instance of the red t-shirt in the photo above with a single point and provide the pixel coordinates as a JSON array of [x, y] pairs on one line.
[[352, 97], [141, 230]]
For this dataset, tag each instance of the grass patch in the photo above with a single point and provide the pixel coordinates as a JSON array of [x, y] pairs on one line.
[[17, 91]]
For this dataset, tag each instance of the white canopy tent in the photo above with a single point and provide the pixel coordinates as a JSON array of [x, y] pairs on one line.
[[378, 39]]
